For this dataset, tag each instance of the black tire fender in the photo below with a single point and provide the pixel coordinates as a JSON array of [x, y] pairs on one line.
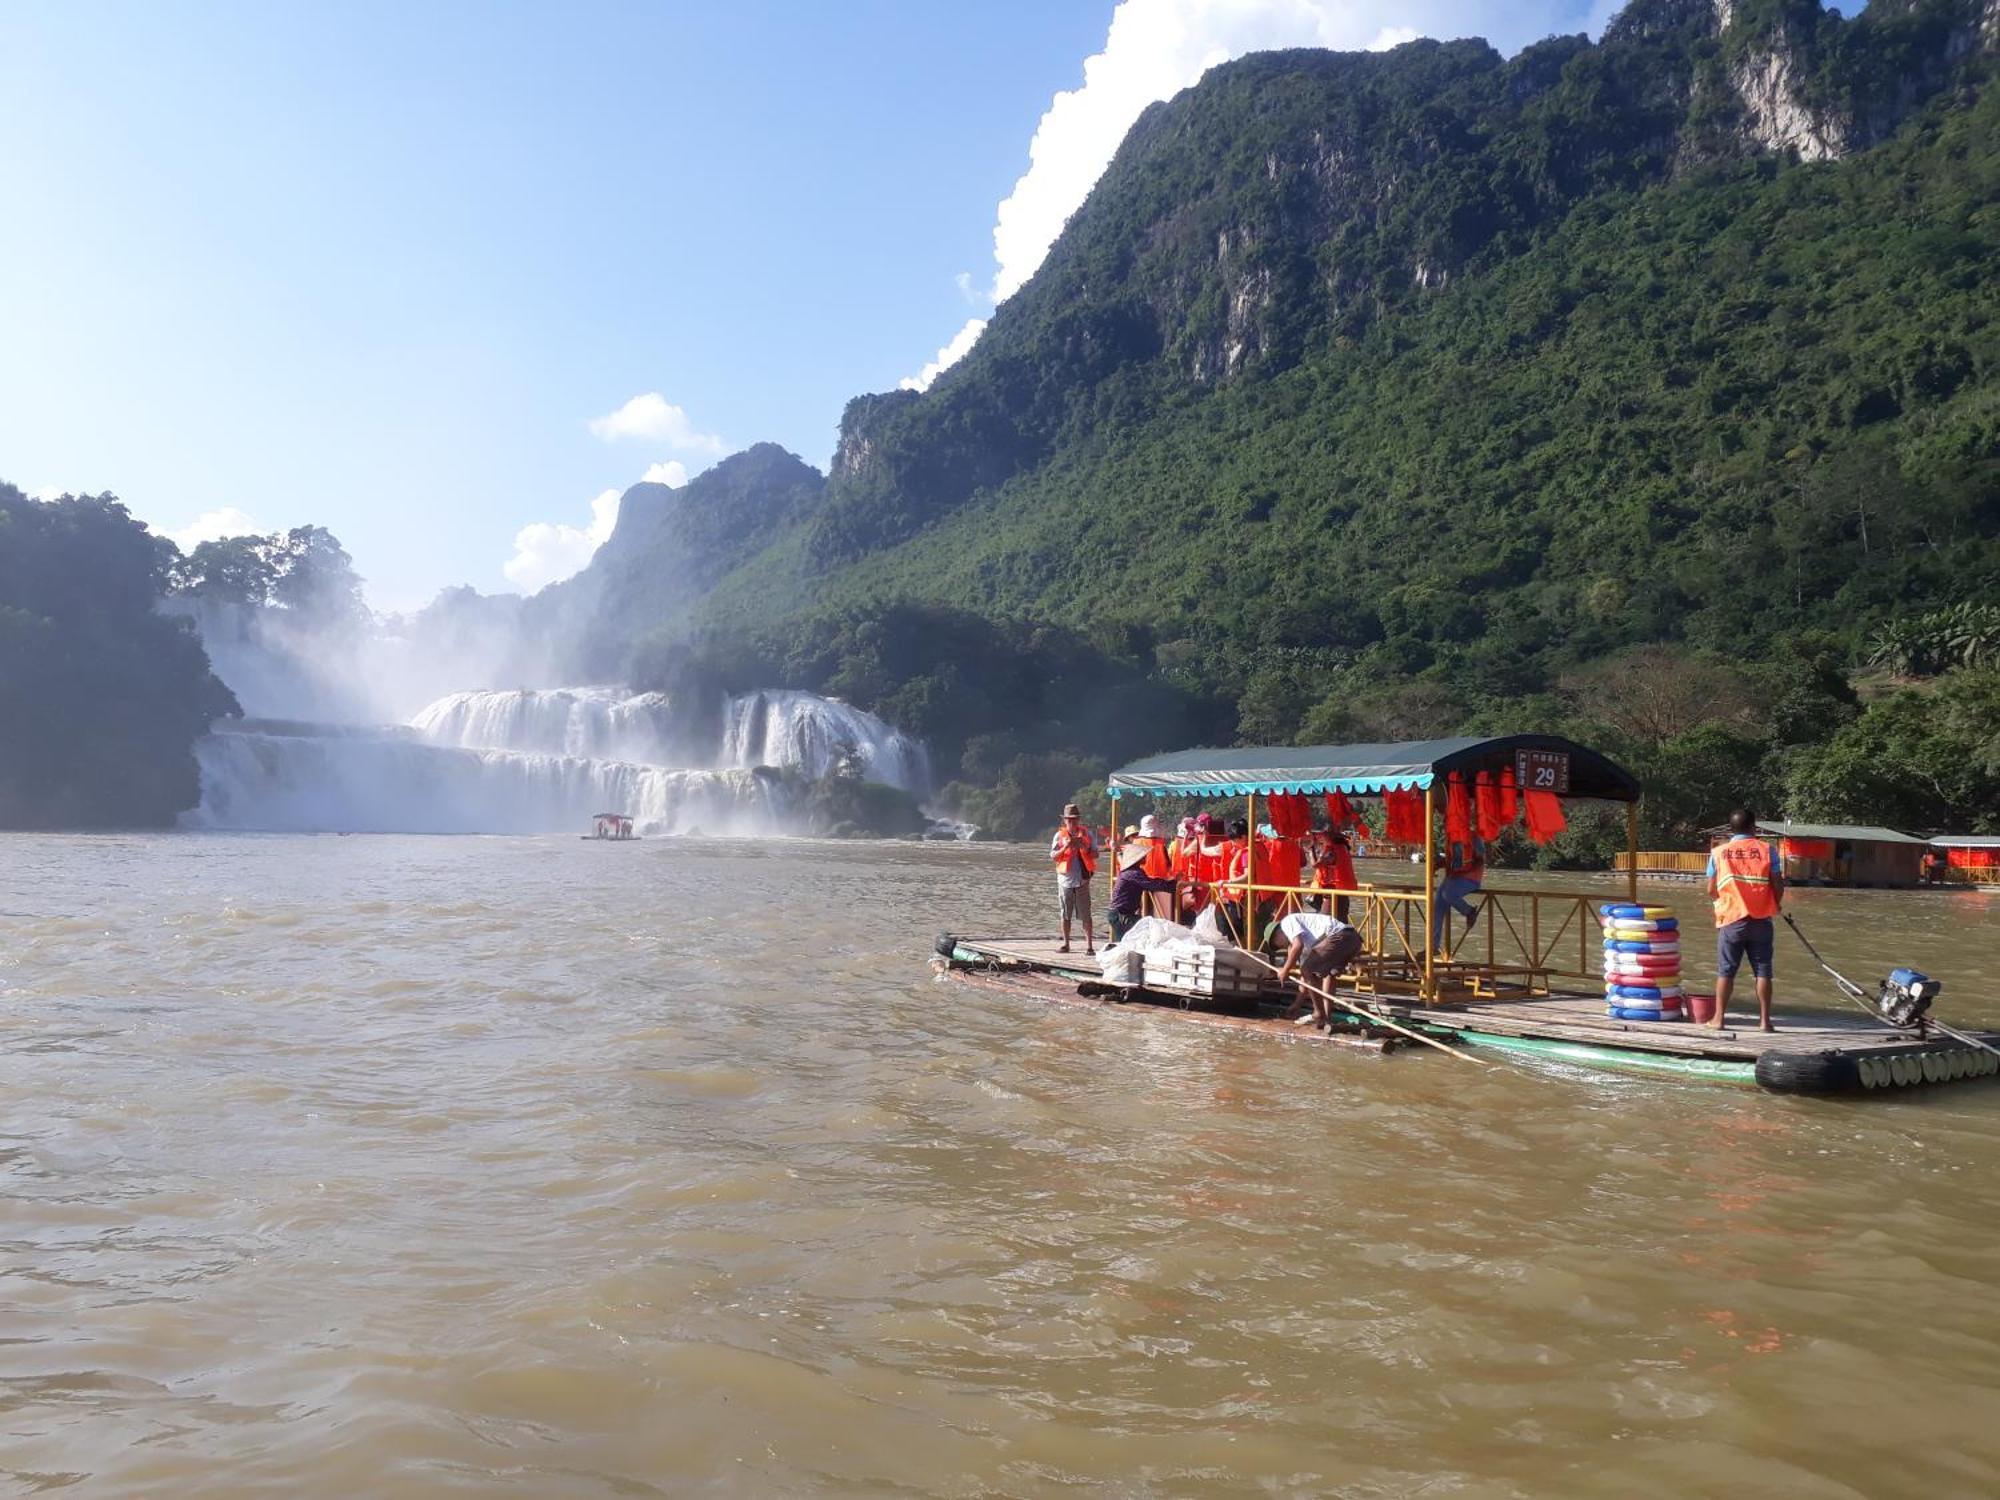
[[1808, 1073], [946, 942]]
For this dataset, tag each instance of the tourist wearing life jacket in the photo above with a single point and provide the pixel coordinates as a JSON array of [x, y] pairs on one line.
[[1333, 868], [1159, 866], [1074, 852], [1232, 892], [1464, 871], [1746, 880]]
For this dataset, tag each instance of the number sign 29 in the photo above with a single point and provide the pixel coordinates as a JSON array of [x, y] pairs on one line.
[[1542, 771]]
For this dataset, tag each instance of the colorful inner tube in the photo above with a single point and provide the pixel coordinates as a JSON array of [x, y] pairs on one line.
[[1644, 932], [1642, 963], [1626, 909], [1638, 994], [1641, 1013], [1624, 945]]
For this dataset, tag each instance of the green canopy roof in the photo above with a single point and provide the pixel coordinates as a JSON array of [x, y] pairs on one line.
[[1848, 833], [1361, 769]]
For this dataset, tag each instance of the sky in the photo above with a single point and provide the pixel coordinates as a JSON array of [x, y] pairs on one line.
[[446, 278]]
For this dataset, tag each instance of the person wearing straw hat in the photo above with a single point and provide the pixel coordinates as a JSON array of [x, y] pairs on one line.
[[1130, 887], [1074, 852]]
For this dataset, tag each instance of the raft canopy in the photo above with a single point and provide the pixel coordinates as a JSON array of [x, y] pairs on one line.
[[1369, 770]]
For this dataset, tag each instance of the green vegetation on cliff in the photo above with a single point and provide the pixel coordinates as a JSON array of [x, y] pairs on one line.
[[1399, 394]]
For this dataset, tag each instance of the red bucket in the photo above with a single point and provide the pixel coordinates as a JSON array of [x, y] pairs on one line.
[[1700, 1008]]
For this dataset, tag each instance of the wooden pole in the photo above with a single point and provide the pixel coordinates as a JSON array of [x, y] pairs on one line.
[[1430, 894], [1354, 1008], [1250, 877], [1632, 852]]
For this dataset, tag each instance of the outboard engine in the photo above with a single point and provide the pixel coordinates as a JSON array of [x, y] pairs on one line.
[[1905, 995]]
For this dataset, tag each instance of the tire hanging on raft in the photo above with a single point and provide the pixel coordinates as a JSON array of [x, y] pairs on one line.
[[1808, 1072]]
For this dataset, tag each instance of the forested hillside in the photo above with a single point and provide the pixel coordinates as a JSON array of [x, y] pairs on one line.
[[1394, 394]]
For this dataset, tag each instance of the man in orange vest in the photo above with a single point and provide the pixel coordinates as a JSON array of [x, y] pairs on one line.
[[1075, 854], [1747, 883]]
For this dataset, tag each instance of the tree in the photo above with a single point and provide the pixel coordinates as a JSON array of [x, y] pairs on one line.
[[316, 577], [101, 695], [1657, 692], [231, 570]]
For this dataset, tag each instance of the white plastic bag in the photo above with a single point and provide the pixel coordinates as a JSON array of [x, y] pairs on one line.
[[1208, 929]]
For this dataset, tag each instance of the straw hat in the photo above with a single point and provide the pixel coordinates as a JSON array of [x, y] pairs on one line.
[[1132, 854], [1071, 810]]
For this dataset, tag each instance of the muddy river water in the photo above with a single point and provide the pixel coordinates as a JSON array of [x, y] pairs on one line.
[[405, 1166]]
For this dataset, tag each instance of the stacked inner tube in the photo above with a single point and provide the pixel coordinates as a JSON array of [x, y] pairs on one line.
[[1642, 963]]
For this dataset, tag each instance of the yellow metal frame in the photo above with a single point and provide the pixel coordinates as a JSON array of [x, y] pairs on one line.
[[1550, 917]]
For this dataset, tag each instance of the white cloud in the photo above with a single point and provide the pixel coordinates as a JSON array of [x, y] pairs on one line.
[[948, 356], [213, 526], [47, 493], [1156, 48], [656, 419], [548, 552], [673, 474]]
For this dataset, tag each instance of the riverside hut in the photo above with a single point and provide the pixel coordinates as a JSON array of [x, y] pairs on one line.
[[1969, 858], [1844, 854], [611, 825]]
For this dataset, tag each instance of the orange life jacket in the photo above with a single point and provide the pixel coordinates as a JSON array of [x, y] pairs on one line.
[[1209, 866], [1280, 862], [1159, 864], [1239, 868], [1334, 870], [1070, 846], [1744, 880]]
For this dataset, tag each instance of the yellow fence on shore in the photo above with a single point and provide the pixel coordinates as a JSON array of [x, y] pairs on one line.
[[1665, 862]]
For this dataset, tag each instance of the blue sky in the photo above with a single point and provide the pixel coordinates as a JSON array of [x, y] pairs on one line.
[[379, 266]]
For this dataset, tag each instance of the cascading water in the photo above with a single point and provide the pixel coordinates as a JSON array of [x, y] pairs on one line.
[[543, 761], [774, 727]]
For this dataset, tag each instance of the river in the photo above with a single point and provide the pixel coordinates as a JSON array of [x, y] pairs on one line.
[[400, 1166]]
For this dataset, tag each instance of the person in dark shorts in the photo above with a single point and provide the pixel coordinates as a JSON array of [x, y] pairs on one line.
[[1746, 881], [1320, 947]]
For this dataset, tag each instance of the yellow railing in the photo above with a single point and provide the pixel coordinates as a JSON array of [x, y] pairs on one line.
[[1523, 940], [1666, 861]]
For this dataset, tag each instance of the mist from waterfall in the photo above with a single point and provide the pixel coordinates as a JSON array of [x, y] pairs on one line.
[[546, 761], [283, 777], [344, 738]]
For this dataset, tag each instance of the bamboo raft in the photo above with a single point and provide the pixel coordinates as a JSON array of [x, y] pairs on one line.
[[1807, 1055]]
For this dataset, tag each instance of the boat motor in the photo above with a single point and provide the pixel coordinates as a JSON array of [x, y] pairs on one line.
[[1906, 995]]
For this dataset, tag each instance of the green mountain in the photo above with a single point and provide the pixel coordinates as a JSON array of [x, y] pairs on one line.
[[1393, 392]]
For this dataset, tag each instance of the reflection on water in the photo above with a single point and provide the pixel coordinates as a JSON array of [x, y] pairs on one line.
[[394, 1166]]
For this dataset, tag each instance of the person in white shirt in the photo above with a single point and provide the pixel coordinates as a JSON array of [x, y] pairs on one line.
[[1319, 947]]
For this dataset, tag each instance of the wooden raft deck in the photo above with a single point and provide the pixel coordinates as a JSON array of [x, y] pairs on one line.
[[1033, 966]]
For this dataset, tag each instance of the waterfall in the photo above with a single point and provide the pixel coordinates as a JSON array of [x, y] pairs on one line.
[[773, 727], [387, 783], [544, 761], [784, 728]]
